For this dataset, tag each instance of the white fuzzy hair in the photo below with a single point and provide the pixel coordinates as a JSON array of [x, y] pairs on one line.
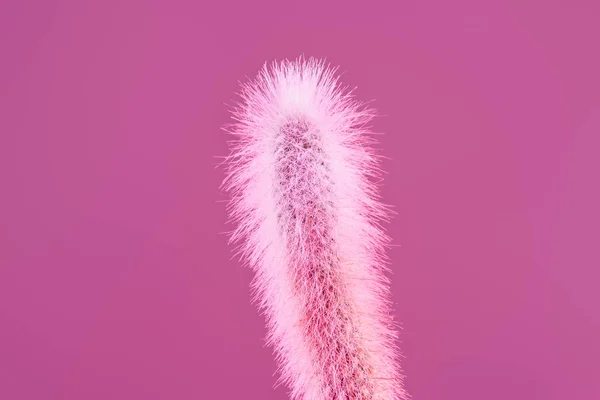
[[302, 178]]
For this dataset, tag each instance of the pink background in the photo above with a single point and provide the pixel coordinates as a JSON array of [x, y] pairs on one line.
[[116, 281]]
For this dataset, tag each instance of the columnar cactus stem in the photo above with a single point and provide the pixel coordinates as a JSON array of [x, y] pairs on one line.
[[308, 221]]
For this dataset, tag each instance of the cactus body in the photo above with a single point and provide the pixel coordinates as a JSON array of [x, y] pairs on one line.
[[308, 216]]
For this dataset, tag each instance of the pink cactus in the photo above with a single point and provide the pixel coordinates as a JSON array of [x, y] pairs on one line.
[[308, 212]]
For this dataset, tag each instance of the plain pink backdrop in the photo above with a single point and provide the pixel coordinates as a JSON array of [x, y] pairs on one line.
[[116, 281]]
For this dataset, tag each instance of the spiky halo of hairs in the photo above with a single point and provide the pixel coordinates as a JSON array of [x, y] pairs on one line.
[[302, 175]]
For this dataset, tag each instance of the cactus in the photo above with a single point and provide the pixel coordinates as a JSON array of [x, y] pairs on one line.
[[302, 176]]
